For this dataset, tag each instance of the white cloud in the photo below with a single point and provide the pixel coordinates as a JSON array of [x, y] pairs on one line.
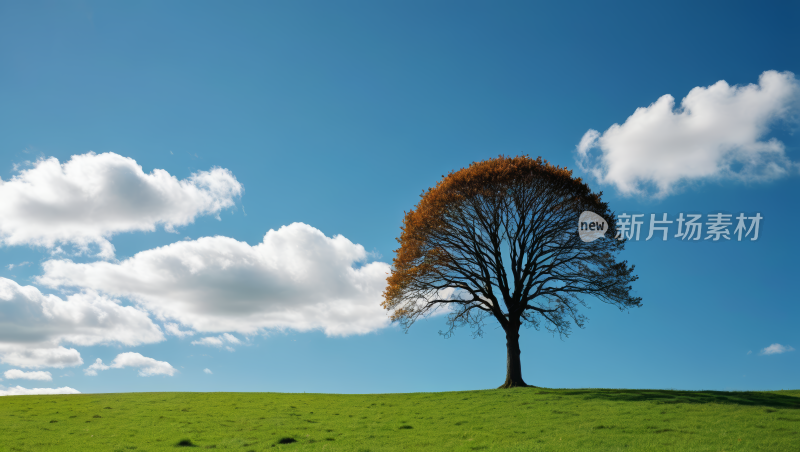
[[218, 341], [717, 133], [213, 341], [12, 266], [92, 197], [208, 371], [34, 325], [19, 390], [97, 365], [775, 349], [231, 338], [22, 356], [296, 278], [175, 330], [147, 366], [18, 374]]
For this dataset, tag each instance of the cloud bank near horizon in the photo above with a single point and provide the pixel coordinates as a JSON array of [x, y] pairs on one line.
[[297, 278], [34, 326], [19, 390], [717, 133]]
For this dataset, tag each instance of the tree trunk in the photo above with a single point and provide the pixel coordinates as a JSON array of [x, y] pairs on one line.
[[513, 366]]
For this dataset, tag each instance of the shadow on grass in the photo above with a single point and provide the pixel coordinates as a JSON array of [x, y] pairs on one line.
[[765, 399]]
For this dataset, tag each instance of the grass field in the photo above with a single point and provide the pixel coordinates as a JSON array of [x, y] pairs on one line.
[[492, 420]]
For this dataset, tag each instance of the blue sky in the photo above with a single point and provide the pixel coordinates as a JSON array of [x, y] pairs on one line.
[[318, 120]]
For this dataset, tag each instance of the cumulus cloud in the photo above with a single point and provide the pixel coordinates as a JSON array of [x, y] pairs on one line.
[[97, 365], [92, 197], [19, 390], [296, 278], [33, 325], [147, 366], [776, 349], [22, 356], [718, 132], [36, 375]]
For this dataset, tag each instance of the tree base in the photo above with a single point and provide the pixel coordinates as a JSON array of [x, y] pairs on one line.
[[514, 384]]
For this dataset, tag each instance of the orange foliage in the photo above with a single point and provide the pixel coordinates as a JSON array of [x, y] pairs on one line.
[[491, 180]]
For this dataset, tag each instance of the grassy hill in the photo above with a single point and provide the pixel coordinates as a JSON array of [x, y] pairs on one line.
[[493, 420]]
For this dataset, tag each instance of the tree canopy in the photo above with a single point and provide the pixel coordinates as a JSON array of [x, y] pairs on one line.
[[499, 239]]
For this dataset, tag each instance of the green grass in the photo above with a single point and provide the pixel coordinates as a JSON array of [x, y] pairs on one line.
[[523, 419]]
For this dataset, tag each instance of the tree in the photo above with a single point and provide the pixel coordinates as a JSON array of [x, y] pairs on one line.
[[500, 239]]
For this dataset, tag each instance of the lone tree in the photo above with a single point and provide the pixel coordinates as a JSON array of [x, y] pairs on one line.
[[500, 239]]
